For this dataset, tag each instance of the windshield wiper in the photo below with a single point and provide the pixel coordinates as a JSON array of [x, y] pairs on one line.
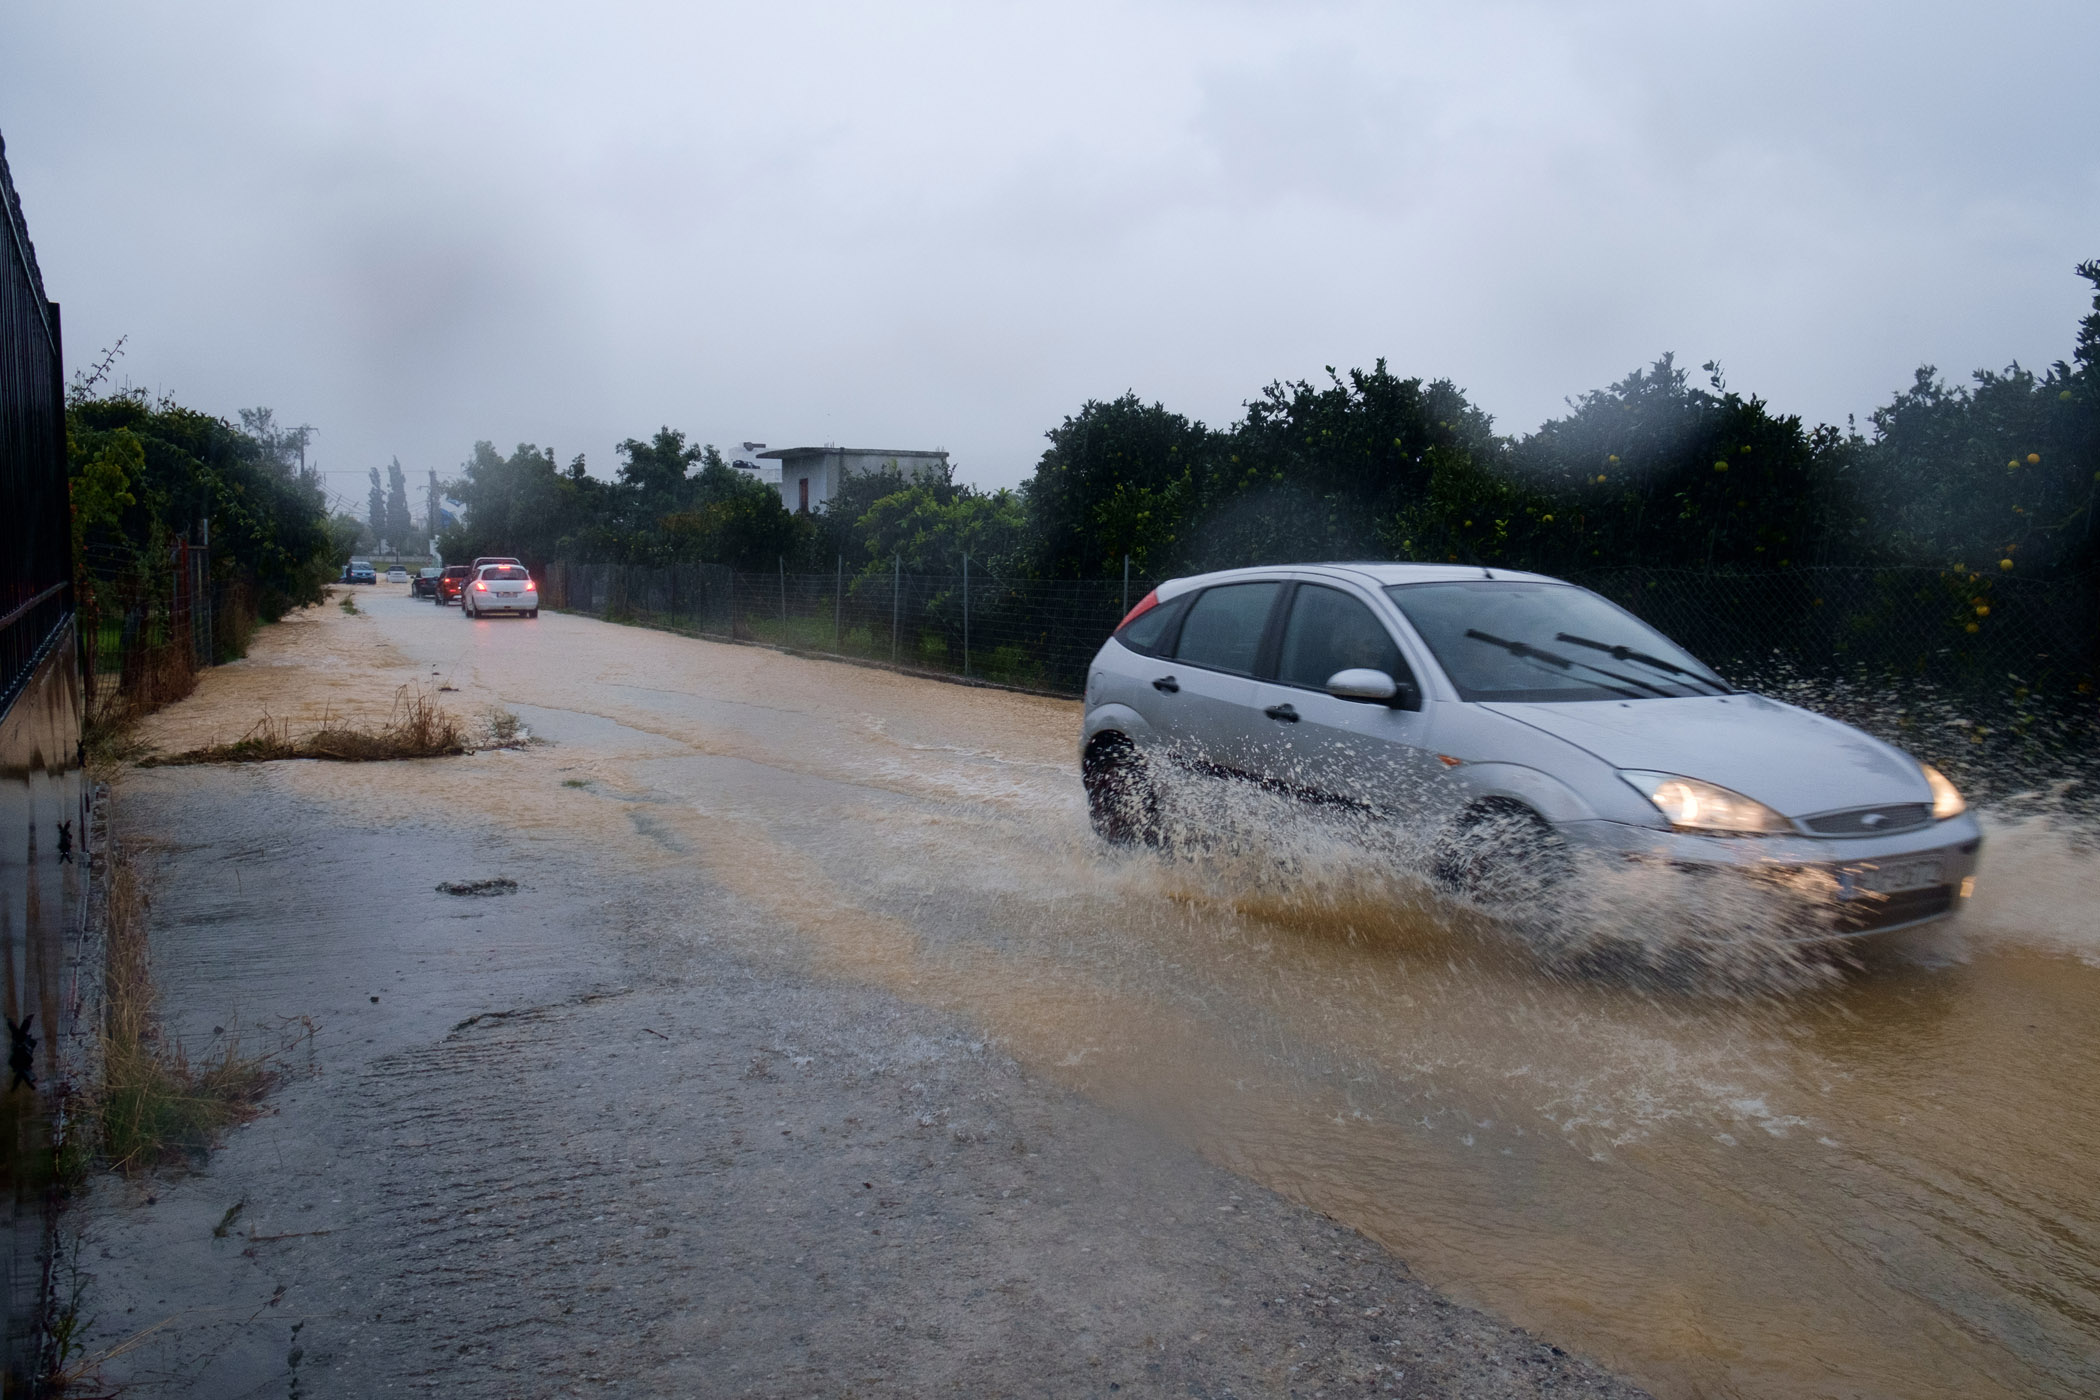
[[1525, 651], [1626, 653]]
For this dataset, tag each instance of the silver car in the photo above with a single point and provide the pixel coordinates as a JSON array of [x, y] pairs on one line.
[[1519, 721]]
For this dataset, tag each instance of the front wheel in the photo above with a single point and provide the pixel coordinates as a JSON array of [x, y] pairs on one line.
[[1505, 858], [1122, 800]]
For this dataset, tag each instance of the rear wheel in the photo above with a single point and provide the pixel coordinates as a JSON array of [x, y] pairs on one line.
[[1121, 799], [532, 612]]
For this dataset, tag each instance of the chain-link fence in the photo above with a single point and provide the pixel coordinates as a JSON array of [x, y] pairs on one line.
[[1957, 630], [1990, 676], [1037, 634]]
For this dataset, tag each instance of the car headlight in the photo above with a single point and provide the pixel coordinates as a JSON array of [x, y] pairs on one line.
[[1947, 800], [1695, 806]]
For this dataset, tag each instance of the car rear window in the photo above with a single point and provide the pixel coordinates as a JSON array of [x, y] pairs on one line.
[[458, 571], [1223, 629], [509, 573], [1151, 631]]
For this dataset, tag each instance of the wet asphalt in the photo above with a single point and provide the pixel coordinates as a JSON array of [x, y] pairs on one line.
[[618, 1133]]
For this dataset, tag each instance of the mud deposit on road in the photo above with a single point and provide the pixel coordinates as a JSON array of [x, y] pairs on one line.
[[1882, 1184]]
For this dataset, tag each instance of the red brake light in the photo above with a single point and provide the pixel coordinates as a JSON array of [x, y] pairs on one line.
[[1145, 604], [528, 583], [480, 585]]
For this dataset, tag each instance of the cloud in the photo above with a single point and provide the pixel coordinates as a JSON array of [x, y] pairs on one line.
[[948, 225]]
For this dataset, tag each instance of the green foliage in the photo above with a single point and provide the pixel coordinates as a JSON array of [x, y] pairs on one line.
[[1119, 478], [143, 472], [1654, 470]]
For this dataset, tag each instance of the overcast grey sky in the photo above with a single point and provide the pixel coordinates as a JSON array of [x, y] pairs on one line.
[[918, 225]]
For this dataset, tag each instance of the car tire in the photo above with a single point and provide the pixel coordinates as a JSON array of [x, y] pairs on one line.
[[532, 612], [1504, 858], [1122, 800]]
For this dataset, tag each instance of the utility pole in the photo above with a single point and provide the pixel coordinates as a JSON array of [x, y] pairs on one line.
[[966, 614], [896, 602], [838, 605]]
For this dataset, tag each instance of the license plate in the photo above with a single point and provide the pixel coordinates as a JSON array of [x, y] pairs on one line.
[[1894, 877]]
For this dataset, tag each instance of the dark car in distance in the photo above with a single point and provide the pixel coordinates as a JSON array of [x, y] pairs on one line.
[[448, 584], [424, 584]]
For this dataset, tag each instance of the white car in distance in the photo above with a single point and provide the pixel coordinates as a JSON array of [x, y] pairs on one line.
[[500, 588]]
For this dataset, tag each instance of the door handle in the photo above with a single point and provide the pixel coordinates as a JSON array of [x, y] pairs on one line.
[[1286, 713], [1168, 684]]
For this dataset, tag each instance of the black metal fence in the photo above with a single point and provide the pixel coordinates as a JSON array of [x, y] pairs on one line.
[[43, 826], [151, 620]]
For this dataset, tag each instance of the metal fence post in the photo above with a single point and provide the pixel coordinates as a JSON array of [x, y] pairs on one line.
[[1126, 587], [783, 599], [838, 605], [896, 602], [966, 614], [210, 650]]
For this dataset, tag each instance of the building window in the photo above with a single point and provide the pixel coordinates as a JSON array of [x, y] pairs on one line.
[[805, 493]]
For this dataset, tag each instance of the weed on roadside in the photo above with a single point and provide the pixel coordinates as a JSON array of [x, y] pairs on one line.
[[153, 1108], [417, 728], [348, 604], [505, 731]]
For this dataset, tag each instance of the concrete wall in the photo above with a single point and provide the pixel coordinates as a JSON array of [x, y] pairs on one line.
[[825, 468]]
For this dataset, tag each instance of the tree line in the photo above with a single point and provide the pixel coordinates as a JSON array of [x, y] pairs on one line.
[[1666, 468]]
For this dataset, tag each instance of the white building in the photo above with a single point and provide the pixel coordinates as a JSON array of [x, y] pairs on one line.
[[810, 476]]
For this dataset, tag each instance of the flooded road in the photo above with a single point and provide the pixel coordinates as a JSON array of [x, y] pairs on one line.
[[1883, 1186]]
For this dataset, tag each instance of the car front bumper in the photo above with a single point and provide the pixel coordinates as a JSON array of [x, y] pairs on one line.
[[1864, 885]]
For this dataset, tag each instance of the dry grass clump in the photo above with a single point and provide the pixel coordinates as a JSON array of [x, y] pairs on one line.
[[153, 1107], [417, 728]]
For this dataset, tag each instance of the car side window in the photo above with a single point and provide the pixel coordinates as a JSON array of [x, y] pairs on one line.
[[1150, 632], [1330, 631], [1224, 626]]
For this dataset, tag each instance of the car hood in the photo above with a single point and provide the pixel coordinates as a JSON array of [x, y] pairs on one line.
[[1792, 760]]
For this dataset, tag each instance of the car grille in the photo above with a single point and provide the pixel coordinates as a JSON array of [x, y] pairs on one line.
[[1883, 911], [1871, 821]]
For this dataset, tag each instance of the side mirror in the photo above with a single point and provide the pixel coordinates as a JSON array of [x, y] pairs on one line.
[[1374, 687], [1362, 683]]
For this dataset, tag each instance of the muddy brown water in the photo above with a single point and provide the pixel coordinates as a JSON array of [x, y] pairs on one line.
[[1883, 1184]]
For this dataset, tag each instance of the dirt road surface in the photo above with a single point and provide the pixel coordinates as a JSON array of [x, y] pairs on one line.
[[738, 1092]]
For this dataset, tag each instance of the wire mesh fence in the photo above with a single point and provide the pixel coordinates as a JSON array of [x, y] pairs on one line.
[[1037, 634], [1956, 630]]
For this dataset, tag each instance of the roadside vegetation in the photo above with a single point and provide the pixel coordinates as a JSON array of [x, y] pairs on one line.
[[188, 530], [417, 728], [1667, 468], [154, 1108]]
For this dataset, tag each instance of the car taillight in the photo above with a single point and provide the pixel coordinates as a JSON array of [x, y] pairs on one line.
[[480, 585], [528, 583], [1145, 604]]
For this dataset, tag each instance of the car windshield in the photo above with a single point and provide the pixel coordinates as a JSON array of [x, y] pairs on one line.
[[510, 573], [1502, 639]]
